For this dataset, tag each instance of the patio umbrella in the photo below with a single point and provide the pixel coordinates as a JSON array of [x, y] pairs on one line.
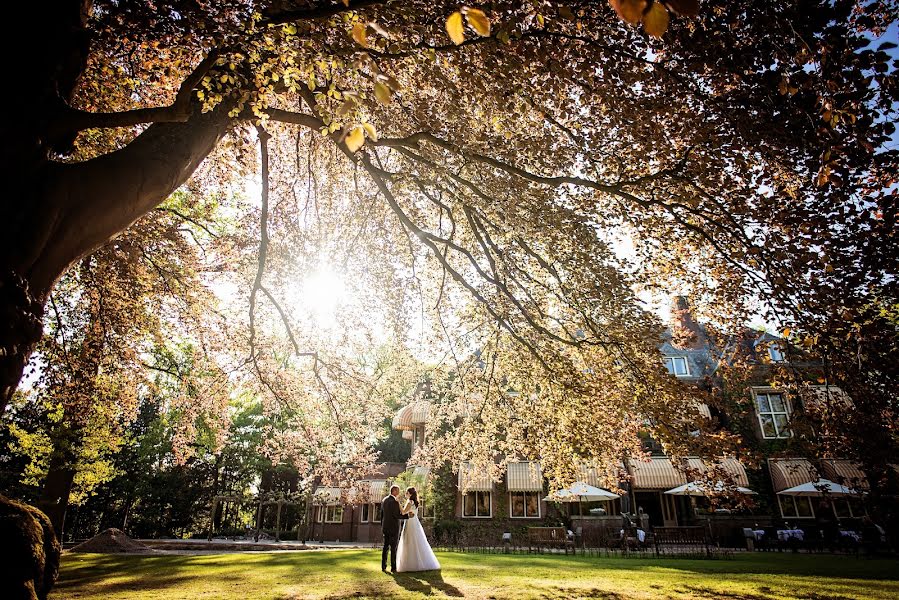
[[695, 489], [581, 492], [820, 488]]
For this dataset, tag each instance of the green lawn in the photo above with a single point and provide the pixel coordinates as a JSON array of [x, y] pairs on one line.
[[356, 573]]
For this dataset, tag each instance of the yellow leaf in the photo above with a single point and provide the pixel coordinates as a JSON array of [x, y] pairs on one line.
[[355, 138], [360, 35], [382, 93], [370, 131], [454, 28], [629, 10], [655, 23], [786, 332], [478, 21]]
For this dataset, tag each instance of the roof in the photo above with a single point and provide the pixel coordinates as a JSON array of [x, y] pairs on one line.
[[700, 360]]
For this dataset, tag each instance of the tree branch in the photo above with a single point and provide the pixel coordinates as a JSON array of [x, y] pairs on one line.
[[73, 119]]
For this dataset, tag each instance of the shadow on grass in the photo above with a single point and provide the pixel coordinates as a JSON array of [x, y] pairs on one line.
[[425, 582]]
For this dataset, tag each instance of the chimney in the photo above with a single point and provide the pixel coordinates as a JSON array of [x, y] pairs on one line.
[[685, 331]]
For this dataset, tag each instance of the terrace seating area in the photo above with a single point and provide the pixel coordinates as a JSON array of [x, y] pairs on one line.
[[811, 538]]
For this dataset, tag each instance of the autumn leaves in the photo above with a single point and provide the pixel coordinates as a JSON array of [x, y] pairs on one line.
[[476, 19], [653, 14]]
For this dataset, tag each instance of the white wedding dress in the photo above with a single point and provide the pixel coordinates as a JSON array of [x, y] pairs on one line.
[[414, 552]]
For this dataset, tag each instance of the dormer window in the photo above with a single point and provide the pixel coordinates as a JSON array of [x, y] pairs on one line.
[[676, 365], [775, 353]]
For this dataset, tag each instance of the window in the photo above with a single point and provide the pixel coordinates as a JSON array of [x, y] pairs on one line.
[[774, 414], [795, 507], [332, 513], [851, 508], [676, 365], [476, 504], [524, 505], [775, 353], [364, 512], [376, 513]]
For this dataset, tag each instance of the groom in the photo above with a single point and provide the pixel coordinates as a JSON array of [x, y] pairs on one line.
[[390, 525]]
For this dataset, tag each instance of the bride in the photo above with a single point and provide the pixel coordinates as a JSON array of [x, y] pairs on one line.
[[414, 552]]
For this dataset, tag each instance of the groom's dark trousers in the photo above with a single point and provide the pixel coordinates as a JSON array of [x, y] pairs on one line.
[[391, 541], [390, 526]]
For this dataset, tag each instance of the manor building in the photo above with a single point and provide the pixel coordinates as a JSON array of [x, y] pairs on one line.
[[519, 496]]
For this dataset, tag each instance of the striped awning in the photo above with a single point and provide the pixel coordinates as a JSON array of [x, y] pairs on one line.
[[704, 410], [845, 472], [524, 477], [657, 474], [736, 470], [473, 480], [696, 464], [790, 472], [403, 419], [591, 475], [377, 490], [421, 410], [326, 495], [367, 491], [421, 472], [731, 466]]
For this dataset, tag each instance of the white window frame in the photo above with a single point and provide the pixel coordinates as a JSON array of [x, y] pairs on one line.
[[781, 499], [331, 517], [476, 515], [364, 512], [848, 504], [788, 410], [526, 515], [375, 508], [672, 370]]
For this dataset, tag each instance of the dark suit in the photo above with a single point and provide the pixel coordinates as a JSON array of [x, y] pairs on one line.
[[390, 526]]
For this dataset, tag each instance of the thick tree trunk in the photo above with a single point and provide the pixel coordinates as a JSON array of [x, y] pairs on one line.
[[74, 209], [54, 499]]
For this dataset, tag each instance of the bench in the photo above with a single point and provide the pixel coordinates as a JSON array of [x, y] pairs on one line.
[[681, 538], [549, 537]]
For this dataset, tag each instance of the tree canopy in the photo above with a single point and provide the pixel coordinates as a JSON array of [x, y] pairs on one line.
[[494, 183]]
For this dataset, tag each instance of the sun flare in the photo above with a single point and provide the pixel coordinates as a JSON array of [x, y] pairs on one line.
[[319, 295]]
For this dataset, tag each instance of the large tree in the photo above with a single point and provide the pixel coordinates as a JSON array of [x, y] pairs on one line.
[[497, 156]]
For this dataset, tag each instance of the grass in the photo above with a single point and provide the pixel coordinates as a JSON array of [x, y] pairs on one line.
[[356, 573]]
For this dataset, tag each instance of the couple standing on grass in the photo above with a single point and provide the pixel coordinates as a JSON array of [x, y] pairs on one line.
[[411, 552]]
